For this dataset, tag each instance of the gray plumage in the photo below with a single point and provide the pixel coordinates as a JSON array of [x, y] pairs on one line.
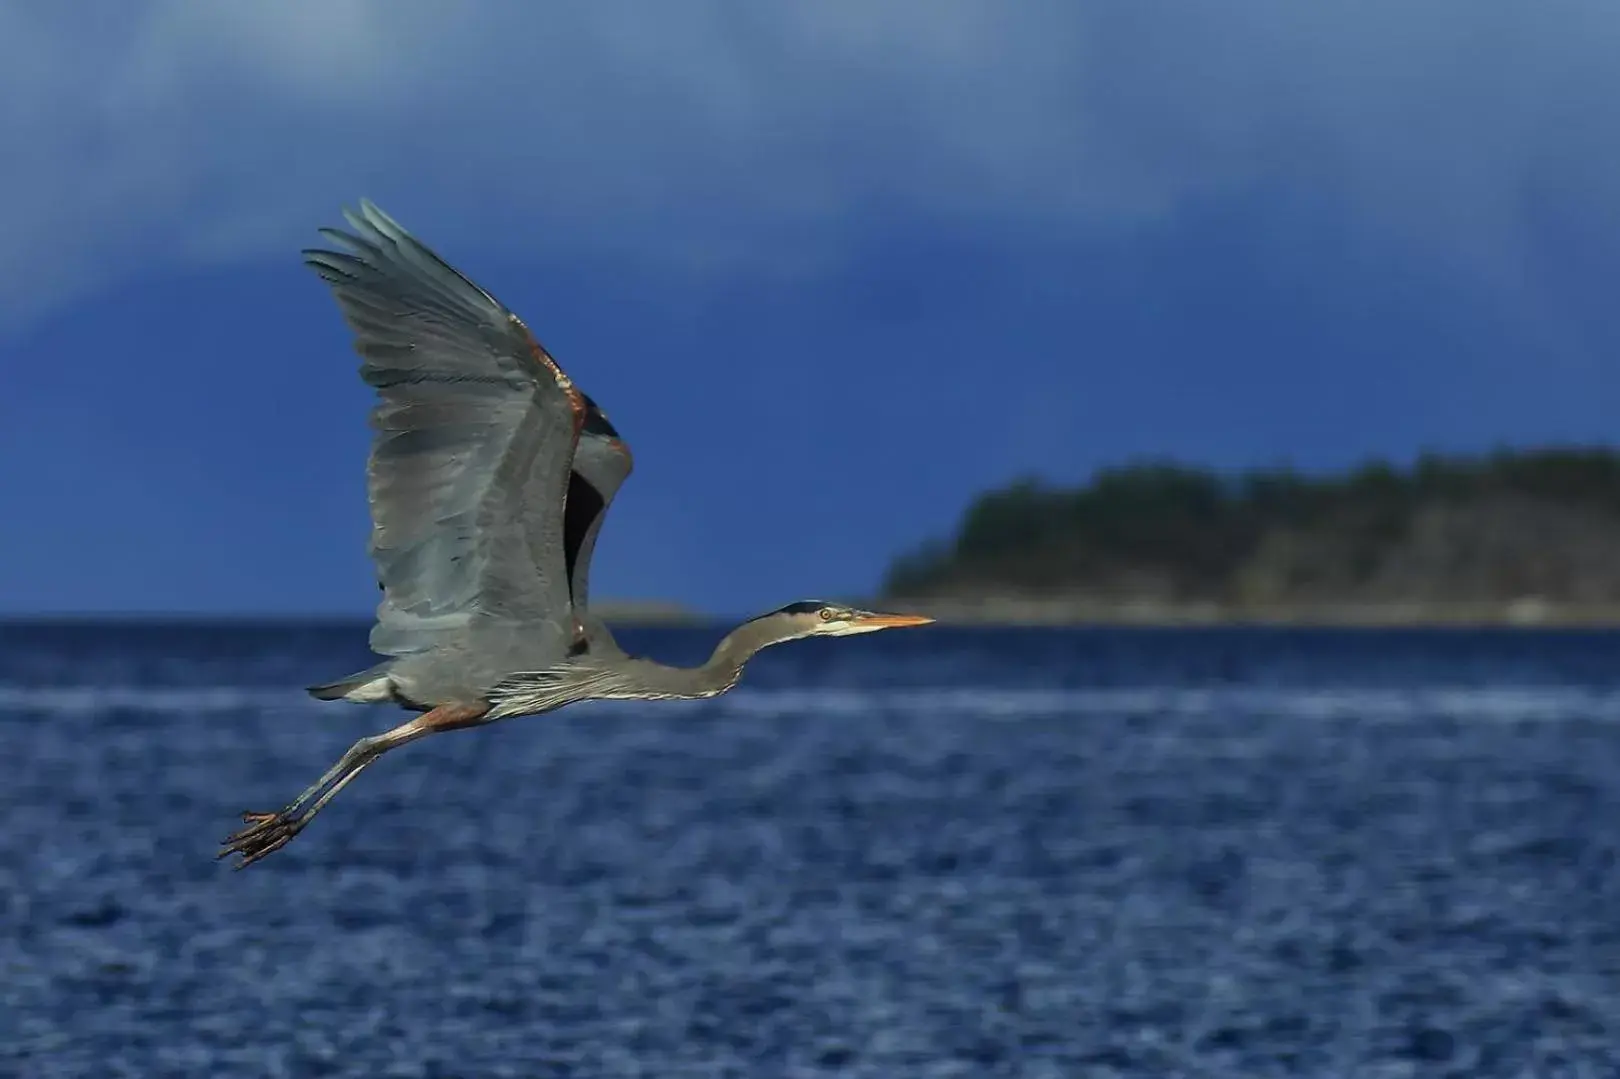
[[471, 456], [490, 477]]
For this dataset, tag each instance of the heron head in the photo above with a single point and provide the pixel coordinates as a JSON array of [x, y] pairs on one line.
[[818, 619]]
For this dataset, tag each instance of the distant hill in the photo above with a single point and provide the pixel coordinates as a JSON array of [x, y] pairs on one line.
[[1519, 535]]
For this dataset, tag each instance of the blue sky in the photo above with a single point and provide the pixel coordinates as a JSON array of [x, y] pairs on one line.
[[832, 268]]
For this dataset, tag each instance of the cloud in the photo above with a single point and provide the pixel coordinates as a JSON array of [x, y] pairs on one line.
[[724, 135]]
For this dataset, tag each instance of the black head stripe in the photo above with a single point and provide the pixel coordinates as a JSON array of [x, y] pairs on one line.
[[806, 606]]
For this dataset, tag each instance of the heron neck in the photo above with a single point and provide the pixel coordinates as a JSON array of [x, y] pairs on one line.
[[745, 642], [615, 676], [725, 664]]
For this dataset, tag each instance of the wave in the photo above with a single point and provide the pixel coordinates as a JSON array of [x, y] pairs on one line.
[[1463, 703], [1504, 703], [170, 700]]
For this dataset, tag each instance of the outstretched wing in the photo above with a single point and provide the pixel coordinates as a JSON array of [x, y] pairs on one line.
[[602, 462], [475, 428]]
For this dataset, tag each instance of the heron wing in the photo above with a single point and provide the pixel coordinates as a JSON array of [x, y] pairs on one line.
[[602, 463], [474, 434], [600, 467]]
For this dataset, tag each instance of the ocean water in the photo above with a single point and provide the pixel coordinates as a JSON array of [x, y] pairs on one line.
[[942, 852]]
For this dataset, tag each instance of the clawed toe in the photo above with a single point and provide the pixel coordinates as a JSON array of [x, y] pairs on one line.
[[257, 823], [265, 833]]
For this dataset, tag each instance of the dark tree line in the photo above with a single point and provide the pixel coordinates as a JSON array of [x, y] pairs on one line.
[[1543, 522]]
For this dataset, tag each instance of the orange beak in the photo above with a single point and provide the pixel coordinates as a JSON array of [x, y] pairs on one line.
[[892, 621]]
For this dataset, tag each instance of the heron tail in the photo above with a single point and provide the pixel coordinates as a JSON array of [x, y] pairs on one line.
[[370, 686]]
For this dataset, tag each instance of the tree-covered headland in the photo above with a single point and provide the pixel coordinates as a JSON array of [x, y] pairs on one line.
[[1447, 533]]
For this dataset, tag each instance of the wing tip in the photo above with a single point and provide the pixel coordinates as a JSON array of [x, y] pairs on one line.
[[376, 214]]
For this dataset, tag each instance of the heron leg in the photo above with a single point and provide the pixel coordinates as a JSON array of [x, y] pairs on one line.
[[269, 832]]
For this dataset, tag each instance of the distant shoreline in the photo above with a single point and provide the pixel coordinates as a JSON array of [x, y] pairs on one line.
[[1504, 538], [1526, 613], [630, 613]]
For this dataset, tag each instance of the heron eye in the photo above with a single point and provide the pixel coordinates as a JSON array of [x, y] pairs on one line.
[[826, 614]]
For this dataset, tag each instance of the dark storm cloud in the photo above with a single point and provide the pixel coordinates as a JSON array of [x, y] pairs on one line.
[[721, 135]]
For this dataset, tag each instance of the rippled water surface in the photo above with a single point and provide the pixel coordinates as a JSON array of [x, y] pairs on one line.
[[943, 852]]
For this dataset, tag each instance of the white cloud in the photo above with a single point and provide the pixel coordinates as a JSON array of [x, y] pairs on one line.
[[719, 133]]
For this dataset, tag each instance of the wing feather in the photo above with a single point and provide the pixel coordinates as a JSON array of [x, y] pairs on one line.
[[475, 428]]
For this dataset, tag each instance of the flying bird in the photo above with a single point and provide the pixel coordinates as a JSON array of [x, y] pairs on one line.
[[490, 475]]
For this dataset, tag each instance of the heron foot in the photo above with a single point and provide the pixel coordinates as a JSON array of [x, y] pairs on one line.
[[265, 834]]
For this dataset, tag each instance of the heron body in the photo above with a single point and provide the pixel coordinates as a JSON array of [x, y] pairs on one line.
[[489, 479]]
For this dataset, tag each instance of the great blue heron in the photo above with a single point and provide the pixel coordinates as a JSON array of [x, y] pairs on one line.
[[489, 478]]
